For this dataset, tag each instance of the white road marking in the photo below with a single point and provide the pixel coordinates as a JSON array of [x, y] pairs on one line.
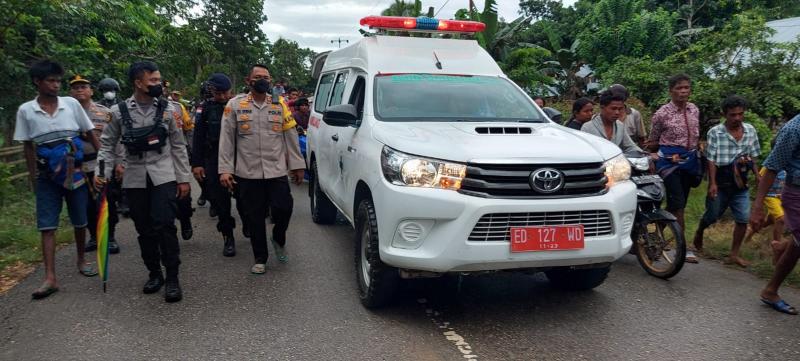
[[449, 332]]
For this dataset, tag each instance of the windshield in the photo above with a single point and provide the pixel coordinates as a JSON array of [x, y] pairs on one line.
[[442, 98]]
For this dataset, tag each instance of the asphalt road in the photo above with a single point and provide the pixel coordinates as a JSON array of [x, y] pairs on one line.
[[308, 310]]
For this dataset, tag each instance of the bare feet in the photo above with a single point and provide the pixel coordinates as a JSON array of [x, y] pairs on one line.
[[741, 262]]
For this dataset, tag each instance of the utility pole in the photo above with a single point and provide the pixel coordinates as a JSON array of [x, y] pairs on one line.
[[340, 41]]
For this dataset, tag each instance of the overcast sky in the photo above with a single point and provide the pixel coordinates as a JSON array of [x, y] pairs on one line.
[[314, 23]]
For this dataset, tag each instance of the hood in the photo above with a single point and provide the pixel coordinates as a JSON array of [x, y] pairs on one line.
[[462, 142]]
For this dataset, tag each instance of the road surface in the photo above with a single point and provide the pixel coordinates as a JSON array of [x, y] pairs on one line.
[[308, 310]]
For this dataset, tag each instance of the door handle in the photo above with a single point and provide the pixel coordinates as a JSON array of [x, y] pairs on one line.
[[351, 149], [335, 137]]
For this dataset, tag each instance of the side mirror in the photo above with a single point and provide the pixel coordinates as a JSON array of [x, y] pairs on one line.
[[344, 115]]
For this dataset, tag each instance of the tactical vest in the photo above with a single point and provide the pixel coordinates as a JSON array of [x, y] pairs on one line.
[[212, 112], [137, 141]]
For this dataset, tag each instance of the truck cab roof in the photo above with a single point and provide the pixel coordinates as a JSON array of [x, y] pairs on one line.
[[382, 54]]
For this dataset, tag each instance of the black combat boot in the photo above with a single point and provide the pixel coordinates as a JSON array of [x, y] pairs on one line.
[[172, 291], [186, 229], [91, 245], [154, 283], [229, 248]]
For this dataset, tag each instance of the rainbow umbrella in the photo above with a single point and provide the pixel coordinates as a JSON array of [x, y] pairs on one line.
[[102, 232]]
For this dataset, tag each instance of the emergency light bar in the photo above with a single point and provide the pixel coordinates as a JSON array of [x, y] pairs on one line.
[[422, 23]]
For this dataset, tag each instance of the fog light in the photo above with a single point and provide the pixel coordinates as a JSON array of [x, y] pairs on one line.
[[627, 223], [411, 233]]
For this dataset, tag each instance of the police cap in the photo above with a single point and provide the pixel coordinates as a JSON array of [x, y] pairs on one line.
[[219, 81], [78, 79]]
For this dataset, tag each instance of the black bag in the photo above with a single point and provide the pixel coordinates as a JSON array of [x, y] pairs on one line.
[[733, 177], [140, 140]]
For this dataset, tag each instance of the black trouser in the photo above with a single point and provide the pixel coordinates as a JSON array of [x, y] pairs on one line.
[[153, 213], [184, 211], [93, 206], [220, 199], [259, 195]]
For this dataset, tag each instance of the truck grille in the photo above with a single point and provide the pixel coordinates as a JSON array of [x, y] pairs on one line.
[[495, 226], [513, 180]]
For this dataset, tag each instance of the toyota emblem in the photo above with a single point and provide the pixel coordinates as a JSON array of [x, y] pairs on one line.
[[547, 180]]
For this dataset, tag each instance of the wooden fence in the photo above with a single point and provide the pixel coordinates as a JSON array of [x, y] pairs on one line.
[[14, 156]]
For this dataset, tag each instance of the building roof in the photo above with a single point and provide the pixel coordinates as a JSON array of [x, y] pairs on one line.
[[786, 30]]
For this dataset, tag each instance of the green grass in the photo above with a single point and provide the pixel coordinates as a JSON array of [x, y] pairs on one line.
[[717, 240], [19, 239]]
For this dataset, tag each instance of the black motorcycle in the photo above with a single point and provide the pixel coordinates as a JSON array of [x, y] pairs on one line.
[[658, 241]]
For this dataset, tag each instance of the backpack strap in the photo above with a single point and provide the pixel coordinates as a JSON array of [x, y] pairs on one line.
[[162, 104], [127, 121]]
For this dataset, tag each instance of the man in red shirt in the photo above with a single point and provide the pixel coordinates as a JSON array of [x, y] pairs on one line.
[[675, 132]]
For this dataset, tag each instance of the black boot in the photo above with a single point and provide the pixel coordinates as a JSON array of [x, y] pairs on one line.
[[154, 283], [91, 245], [172, 292], [113, 247], [186, 229], [229, 248]]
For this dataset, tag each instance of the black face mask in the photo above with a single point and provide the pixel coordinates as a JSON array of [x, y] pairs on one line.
[[261, 86], [155, 91]]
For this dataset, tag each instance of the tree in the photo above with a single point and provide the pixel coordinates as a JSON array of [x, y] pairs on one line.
[[524, 66], [624, 27], [291, 63], [402, 8]]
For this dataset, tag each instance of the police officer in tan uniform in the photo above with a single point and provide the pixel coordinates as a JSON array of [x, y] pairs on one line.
[[156, 172], [258, 146], [80, 88]]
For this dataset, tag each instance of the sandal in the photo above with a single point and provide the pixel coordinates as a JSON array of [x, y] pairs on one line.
[[280, 252], [780, 306], [258, 269], [87, 270], [44, 291]]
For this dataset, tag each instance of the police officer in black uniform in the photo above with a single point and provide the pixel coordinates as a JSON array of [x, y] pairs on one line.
[[204, 157]]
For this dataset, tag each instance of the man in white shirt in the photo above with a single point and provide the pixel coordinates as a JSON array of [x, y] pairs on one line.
[[50, 127]]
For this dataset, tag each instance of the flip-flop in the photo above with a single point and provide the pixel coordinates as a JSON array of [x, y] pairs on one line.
[[44, 291], [87, 270], [780, 306]]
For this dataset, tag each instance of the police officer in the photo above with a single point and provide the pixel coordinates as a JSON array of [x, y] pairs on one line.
[[156, 172], [204, 158], [80, 88], [259, 146], [110, 89], [185, 123]]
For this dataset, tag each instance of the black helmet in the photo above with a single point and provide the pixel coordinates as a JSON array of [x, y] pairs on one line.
[[108, 84]]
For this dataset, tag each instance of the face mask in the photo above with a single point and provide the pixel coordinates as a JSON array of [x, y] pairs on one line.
[[261, 86], [155, 91], [110, 95]]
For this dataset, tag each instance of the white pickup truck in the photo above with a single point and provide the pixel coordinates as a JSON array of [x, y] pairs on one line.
[[444, 165]]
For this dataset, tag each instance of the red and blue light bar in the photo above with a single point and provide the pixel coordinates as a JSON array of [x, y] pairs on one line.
[[422, 23]]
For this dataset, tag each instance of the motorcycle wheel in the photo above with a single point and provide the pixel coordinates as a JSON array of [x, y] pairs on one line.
[[661, 248]]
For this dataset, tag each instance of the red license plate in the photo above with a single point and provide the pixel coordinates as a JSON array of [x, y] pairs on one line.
[[554, 238]]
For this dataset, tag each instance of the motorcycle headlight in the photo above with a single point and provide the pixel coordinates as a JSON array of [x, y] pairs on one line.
[[641, 164], [408, 170], [618, 169]]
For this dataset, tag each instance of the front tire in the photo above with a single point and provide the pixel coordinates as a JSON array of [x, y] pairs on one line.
[[377, 281], [661, 248], [322, 209], [577, 279]]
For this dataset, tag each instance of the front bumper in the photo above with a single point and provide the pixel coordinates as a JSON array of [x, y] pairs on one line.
[[448, 218]]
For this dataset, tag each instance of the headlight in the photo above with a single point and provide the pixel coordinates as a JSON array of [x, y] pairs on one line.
[[641, 164], [618, 169], [408, 170]]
